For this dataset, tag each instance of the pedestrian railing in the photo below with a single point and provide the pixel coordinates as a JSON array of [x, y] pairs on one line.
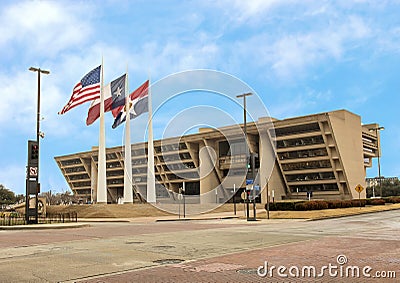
[[12, 219]]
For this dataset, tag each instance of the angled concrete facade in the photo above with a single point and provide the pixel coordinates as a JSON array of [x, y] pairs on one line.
[[326, 153]]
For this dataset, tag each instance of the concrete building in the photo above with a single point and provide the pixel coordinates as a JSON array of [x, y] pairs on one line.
[[326, 153]]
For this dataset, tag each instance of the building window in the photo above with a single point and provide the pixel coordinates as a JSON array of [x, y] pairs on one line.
[[314, 188], [79, 177], [111, 156], [81, 184], [300, 142], [310, 177], [75, 169], [303, 153], [70, 162], [293, 130], [306, 165], [113, 164]]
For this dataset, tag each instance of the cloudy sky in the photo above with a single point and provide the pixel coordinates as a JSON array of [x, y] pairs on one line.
[[300, 57]]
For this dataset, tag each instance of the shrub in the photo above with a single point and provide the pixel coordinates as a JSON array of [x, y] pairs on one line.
[[332, 204], [393, 200], [347, 203], [356, 202], [377, 201], [311, 205]]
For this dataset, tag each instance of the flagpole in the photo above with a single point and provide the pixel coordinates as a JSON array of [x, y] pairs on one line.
[[101, 177], [151, 187], [128, 195]]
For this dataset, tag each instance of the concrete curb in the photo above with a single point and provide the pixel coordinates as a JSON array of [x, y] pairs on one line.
[[348, 215], [45, 226], [196, 219]]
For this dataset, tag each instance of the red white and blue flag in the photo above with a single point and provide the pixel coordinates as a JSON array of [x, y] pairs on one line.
[[138, 105], [87, 89], [114, 96]]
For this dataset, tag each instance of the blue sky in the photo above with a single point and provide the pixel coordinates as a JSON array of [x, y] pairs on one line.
[[301, 57]]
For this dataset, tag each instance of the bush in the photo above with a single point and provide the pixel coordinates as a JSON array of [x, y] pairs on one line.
[[311, 205], [334, 204], [393, 200], [330, 204], [377, 201], [356, 202]]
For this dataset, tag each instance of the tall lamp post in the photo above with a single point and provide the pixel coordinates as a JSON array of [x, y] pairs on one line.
[[38, 134], [244, 95], [376, 130]]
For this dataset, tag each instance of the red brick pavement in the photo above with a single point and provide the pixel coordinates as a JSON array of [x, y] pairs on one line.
[[381, 255]]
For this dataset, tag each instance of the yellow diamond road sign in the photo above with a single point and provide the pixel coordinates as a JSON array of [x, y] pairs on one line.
[[359, 188]]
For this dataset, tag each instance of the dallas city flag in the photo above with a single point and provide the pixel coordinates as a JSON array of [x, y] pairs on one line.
[[114, 96], [138, 105], [87, 89]]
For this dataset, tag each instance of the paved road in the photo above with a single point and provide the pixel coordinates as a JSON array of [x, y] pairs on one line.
[[207, 251]]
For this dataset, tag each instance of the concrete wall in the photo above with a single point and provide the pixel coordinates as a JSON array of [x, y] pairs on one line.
[[347, 131]]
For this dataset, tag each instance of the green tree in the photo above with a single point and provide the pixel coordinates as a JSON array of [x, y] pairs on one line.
[[6, 196], [389, 188]]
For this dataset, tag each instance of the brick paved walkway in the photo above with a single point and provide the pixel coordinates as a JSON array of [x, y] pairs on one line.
[[381, 255]]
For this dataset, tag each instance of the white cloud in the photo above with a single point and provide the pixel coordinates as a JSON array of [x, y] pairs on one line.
[[44, 27], [18, 99], [247, 10], [292, 55]]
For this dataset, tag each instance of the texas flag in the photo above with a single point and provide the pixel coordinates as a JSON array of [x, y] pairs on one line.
[[114, 97], [138, 105]]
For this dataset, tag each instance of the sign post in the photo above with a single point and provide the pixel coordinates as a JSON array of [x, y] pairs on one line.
[[359, 189], [267, 201], [234, 199]]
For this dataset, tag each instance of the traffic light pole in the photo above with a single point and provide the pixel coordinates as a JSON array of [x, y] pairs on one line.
[[28, 190]]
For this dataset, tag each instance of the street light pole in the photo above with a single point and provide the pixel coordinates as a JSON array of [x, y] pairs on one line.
[[244, 95], [38, 134], [376, 129]]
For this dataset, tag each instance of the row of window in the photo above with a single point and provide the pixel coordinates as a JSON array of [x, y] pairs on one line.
[[292, 130], [115, 173], [115, 164], [303, 153], [170, 147], [78, 177], [174, 157], [179, 166], [314, 188], [307, 165], [71, 162], [82, 184], [115, 181], [300, 142], [75, 169], [310, 176], [109, 156]]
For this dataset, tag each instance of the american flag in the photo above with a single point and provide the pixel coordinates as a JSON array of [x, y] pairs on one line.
[[86, 90]]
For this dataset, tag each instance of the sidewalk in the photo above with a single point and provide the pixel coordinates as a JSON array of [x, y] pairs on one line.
[[45, 226], [261, 216]]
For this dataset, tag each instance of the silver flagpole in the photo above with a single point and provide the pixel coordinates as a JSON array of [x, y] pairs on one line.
[[128, 196], [101, 178], [151, 186]]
